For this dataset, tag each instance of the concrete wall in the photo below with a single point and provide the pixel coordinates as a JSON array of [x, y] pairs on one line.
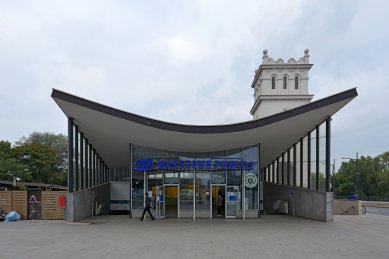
[[82, 204], [346, 207], [304, 203]]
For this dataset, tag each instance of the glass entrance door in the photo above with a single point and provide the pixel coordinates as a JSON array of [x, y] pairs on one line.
[[232, 202], [172, 201], [218, 203], [160, 202]]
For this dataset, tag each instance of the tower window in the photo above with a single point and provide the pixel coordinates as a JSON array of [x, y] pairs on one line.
[[273, 82], [296, 82], [285, 81]]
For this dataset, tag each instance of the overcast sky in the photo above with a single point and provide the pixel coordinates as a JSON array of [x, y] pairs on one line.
[[191, 62]]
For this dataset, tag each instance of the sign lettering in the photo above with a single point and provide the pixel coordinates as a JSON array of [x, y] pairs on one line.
[[175, 164]]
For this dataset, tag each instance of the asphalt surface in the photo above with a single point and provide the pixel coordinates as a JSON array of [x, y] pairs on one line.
[[379, 211], [364, 236]]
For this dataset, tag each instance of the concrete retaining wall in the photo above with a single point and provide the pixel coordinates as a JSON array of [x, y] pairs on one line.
[[346, 207], [302, 202], [82, 204]]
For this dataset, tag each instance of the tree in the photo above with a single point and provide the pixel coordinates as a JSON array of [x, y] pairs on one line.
[[58, 142], [40, 160], [42, 157], [10, 168], [369, 176]]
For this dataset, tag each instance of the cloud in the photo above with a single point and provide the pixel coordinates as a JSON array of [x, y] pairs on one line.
[[189, 62]]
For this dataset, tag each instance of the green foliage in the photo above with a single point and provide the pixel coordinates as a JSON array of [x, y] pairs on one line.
[[369, 176], [40, 160], [42, 157], [10, 167], [57, 142]]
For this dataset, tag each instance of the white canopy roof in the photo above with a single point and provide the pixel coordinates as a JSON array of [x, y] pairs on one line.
[[111, 130]]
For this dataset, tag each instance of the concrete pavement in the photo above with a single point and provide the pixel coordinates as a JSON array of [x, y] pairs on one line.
[[365, 236]]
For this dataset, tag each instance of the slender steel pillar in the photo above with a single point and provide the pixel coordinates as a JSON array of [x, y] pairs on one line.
[[278, 169], [105, 172], [102, 170], [301, 162], [90, 173], [273, 172], [260, 180], [309, 161], [317, 157], [94, 167], [97, 169], [82, 171], [130, 181], [99, 164], [294, 164], [283, 168], [86, 163], [77, 145], [328, 153], [70, 155]]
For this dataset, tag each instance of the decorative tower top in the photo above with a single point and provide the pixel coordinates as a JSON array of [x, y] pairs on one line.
[[264, 54], [279, 85]]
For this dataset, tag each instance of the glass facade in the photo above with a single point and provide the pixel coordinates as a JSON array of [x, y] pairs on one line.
[[192, 182], [86, 168], [306, 162], [202, 184]]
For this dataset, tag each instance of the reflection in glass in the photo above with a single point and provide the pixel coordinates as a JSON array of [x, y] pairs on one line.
[[186, 191], [202, 191], [251, 192], [291, 166], [171, 178], [298, 164], [305, 162], [313, 160], [137, 190], [322, 156], [234, 176]]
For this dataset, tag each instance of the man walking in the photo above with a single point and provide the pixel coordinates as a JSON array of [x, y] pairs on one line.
[[147, 207]]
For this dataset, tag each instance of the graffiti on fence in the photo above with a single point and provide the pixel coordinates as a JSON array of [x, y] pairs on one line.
[[34, 208]]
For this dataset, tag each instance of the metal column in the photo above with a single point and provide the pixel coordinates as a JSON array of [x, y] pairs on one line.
[[70, 156], [317, 157], [328, 153]]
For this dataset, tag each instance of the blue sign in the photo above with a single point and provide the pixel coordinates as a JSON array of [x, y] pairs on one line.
[[149, 165], [144, 165], [232, 197]]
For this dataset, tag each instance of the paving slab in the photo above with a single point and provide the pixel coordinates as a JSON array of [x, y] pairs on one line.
[[365, 236]]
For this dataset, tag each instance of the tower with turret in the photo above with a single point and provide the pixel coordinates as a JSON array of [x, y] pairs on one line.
[[280, 86]]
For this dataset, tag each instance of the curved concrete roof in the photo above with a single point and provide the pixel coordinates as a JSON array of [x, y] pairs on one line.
[[111, 130]]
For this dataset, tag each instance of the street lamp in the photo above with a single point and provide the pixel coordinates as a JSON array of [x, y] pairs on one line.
[[356, 171]]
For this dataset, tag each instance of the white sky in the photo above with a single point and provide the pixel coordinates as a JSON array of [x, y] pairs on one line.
[[191, 63]]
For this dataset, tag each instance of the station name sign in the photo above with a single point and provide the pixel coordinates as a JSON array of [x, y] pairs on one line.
[[149, 165]]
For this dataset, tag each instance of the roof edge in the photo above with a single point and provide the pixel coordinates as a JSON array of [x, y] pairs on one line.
[[204, 129]]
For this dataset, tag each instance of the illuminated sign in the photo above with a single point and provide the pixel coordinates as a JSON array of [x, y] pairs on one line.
[[149, 165]]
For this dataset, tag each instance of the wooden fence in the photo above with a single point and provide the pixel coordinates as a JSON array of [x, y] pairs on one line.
[[18, 201]]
